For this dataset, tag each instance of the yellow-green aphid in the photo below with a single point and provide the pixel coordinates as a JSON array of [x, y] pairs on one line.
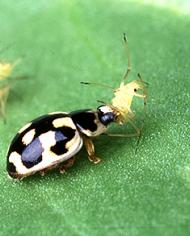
[[121, 103], [5, 83], [123, 96]]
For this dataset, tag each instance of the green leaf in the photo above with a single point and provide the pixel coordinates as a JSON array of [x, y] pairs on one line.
[[63, 43]]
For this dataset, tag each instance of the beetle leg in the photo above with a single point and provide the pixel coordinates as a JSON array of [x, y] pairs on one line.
[[67, 164], [91, 151], [42, 172]]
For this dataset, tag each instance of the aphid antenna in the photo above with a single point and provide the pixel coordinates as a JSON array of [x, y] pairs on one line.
[[23, 77], [17, 62], [13, 64], [128, 57], [5, 48], [98, 84], [13, 79]]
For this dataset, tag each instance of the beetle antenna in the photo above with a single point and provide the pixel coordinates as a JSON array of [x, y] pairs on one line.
[[128, 57], [99, 84]]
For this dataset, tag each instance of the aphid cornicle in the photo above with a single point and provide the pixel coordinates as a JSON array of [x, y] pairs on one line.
[[53, 140]]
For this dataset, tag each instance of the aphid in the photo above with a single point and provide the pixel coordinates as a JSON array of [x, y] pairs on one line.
[[5, 83], [54, 139]]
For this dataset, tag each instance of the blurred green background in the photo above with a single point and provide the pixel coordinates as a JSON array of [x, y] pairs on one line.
[[63, 42]]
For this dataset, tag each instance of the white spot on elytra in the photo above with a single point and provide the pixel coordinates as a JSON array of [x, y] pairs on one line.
[[28, 137], [47, 140], [65, 121], [14, 156]]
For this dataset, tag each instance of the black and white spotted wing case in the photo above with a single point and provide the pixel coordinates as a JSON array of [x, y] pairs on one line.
[[46, 141]]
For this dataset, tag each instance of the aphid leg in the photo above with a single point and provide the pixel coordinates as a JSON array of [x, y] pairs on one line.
[[128, 58], [16, 95], [91, 151], [138, 141], [3, 98], [139, 75], [144, 91], [138, 130], [136, 134], [2, 108], [67, 164]]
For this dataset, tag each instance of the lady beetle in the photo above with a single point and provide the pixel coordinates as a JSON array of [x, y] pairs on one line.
[[52, 140]]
